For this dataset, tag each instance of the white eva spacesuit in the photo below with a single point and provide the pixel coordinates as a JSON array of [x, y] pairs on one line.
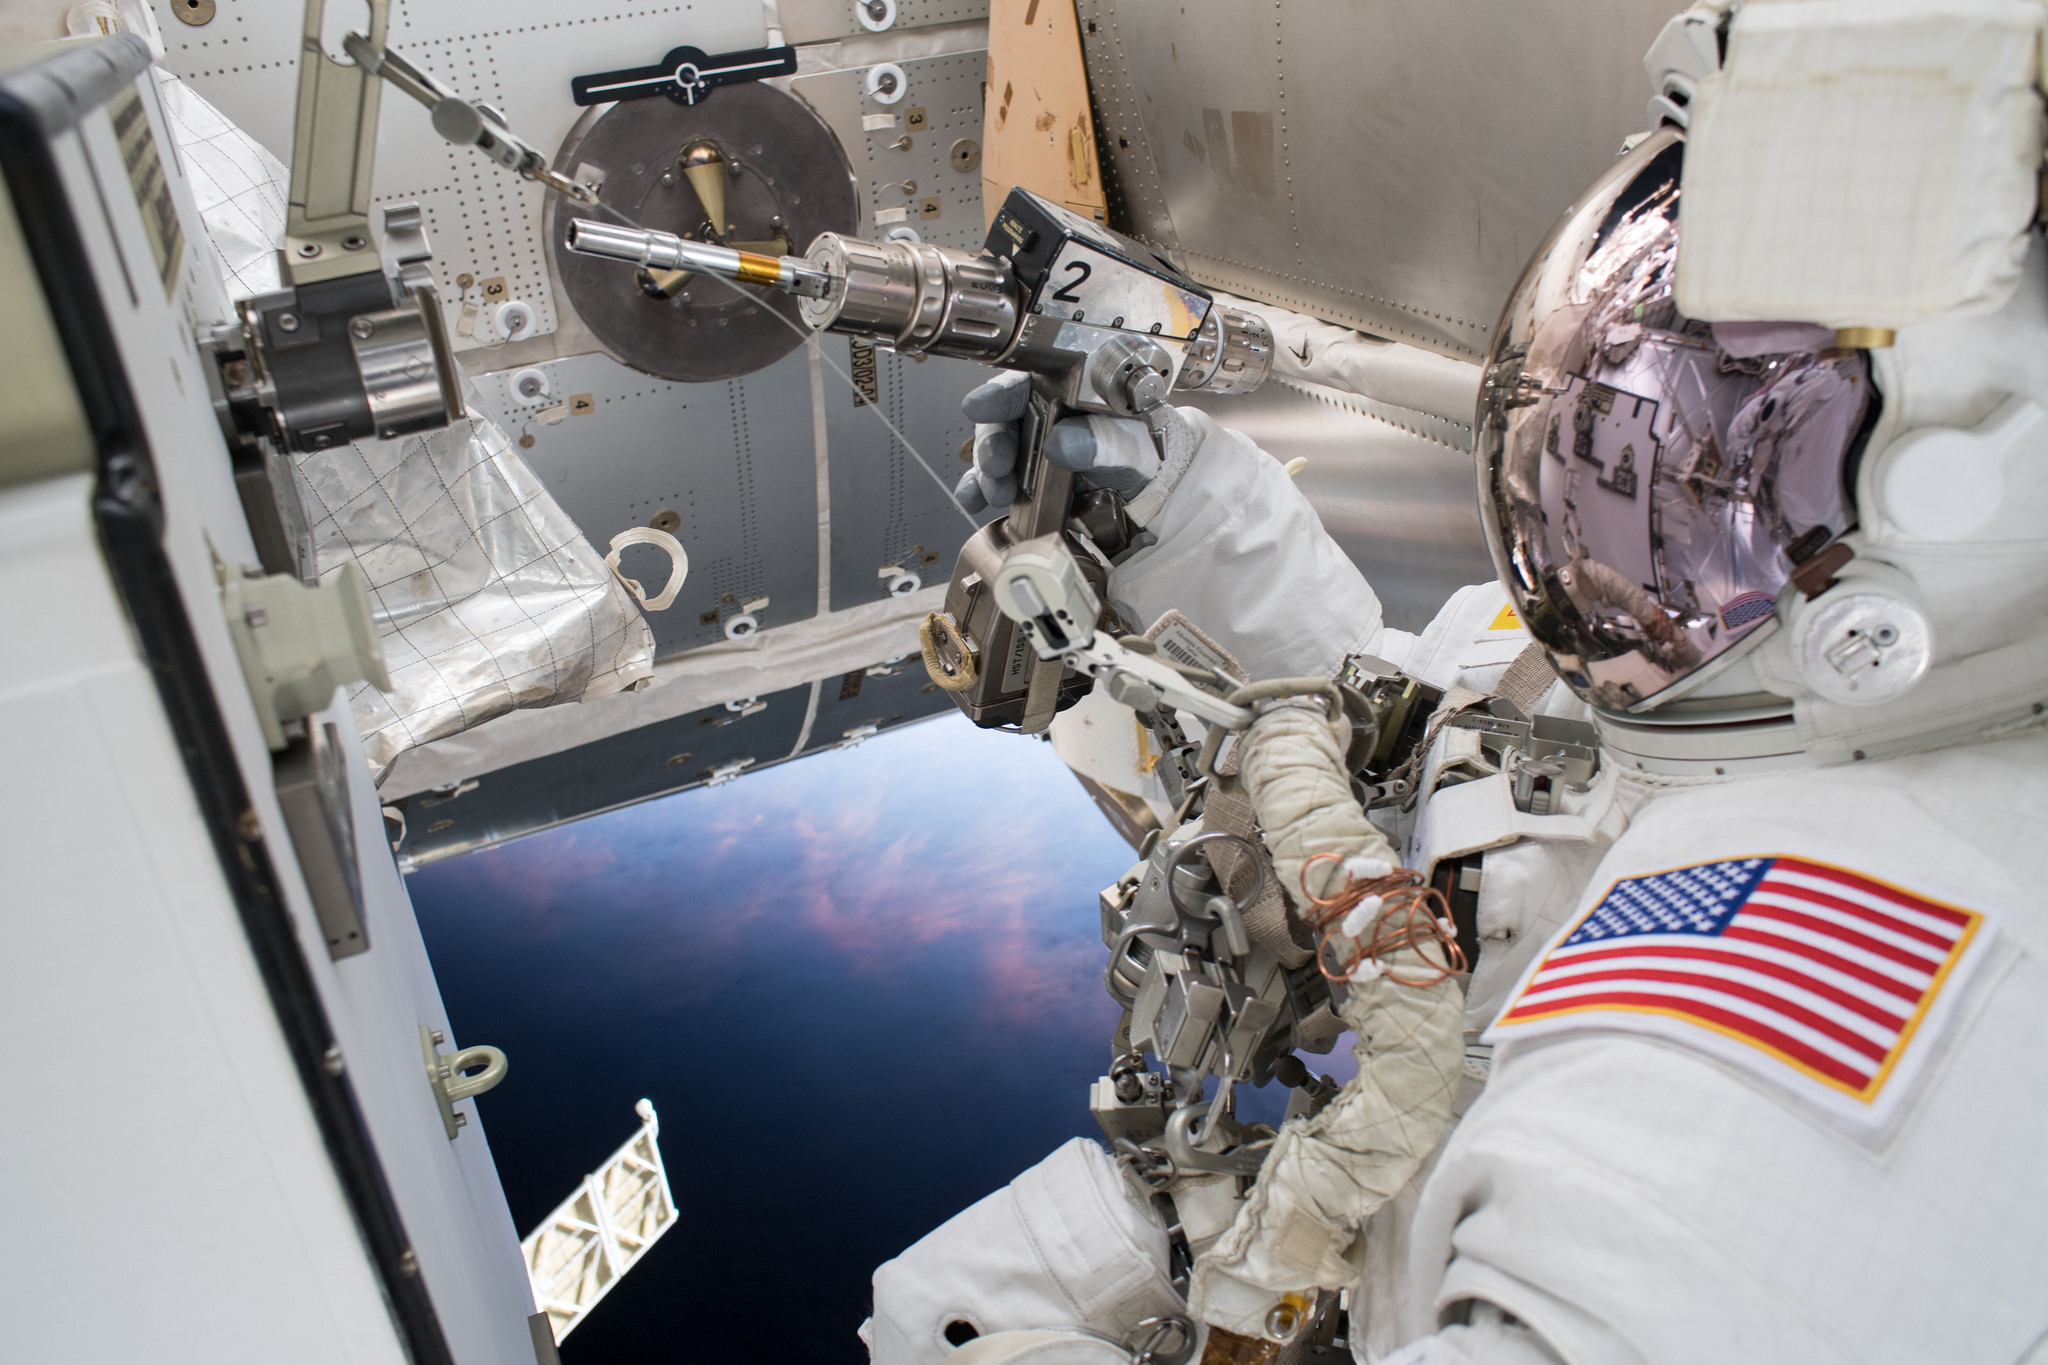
[[1767, 1002]]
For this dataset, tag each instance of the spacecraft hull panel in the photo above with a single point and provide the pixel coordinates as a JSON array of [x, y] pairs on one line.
[[888, 511], [1389, 167], [905, 163], [734, 461], [151, 1096], [192, 937], [715, 744], [482, 220], [812, 21]]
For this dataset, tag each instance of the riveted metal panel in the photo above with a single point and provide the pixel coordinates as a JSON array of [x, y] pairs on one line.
[[516, 55], [889, 508], [889, 693], [940, 106], [656, 759], [811, 21], [664, 757], [736, 462], [1387, 166]]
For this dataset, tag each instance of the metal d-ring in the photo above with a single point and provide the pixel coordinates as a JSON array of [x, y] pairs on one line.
[[1251, 851], [1165, 1340], [1245, 1160], [1117, 952]]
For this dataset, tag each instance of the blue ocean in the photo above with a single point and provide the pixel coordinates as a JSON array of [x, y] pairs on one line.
[[862, 989]]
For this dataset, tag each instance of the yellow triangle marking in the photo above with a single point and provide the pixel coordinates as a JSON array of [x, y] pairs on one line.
[[1506, 620]]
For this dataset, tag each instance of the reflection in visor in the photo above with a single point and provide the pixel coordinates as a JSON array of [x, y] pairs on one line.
[[1652, 492]]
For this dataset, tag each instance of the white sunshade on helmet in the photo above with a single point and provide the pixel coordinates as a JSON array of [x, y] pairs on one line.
[[1649, 481]]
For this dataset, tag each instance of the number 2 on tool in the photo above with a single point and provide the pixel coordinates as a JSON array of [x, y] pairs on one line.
[[1065, 293]]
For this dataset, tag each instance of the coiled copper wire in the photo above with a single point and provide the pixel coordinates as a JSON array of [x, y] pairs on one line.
[[1412, 916]]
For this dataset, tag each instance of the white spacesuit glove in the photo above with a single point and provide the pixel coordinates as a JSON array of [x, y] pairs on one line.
[[1227, 538], [1069, 1246], [1299, 1229], [1117, 453]]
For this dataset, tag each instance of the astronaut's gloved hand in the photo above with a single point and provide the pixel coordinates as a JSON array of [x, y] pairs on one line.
[[994, 409], [1226, 537], [1299, 1229], [1107, 452], [1069, 1247]]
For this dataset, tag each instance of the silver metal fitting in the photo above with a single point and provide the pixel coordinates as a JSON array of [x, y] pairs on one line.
[[666, 251], [913, 296], [395, 352], [1133, 375], [1233, 354]]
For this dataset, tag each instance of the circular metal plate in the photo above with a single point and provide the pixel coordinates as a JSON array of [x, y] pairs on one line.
[[786, 177], [193, 12]]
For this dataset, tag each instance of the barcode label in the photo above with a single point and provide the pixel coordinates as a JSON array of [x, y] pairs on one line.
[[1183, 646]]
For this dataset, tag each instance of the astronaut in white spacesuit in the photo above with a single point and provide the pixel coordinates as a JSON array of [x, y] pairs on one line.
[[1757, 1027]]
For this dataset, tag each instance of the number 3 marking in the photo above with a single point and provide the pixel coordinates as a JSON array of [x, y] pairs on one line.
[[1065, 294]]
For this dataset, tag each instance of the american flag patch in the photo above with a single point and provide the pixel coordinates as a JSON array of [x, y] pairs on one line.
[[1832, 973], [1746, 609]]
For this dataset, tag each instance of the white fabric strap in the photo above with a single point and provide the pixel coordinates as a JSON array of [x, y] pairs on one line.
[[1121, 443], [1472, 817], [1177, 442], [679, 561]]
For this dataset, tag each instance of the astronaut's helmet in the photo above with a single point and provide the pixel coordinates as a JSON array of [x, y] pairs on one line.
[[1650, 481]]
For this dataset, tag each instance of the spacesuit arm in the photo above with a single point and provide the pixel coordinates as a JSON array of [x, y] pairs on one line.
[[1228, 538], [1239, 549], [1298, 1230]]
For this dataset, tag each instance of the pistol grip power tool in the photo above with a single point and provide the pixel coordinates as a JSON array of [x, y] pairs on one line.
[[1101, 323]]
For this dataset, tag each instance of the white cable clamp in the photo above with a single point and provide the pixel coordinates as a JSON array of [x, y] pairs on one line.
[[1366, 869], [1361, 917], [1177, 442], [678, 558]]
